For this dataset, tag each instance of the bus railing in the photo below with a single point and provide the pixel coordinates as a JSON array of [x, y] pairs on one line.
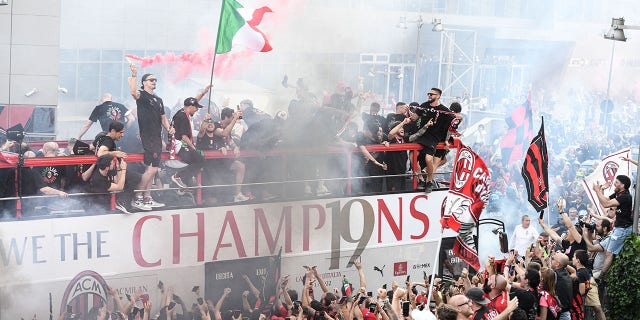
[[11, 160]]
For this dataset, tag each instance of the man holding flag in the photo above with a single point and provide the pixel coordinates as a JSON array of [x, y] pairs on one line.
[[621, 199]]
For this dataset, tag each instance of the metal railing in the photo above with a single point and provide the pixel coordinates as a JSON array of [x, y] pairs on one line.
[[10, 160]]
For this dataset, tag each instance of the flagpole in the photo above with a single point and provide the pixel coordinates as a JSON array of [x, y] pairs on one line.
[[215, 53], [435, 265]]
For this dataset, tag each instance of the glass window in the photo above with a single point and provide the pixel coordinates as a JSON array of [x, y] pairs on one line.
[[89, 55], [113, 55], [67, 79], [110, 79], [88, 82]]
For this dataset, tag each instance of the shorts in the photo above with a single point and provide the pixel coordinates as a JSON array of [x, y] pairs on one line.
[[441, 153], [428, 143], [592, 299], [617, 237], [152, 158]]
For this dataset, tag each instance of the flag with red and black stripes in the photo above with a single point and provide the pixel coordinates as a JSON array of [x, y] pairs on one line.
[[520, 131], [535, 171]]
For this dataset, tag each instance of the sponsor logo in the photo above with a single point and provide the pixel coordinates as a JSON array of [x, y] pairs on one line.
[[400, 268]]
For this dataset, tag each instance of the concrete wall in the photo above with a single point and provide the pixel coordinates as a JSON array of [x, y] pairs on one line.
[[29, 46]]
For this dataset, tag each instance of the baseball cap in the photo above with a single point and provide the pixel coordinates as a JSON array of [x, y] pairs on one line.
[[477, 295], [80, 148], [191, 102]]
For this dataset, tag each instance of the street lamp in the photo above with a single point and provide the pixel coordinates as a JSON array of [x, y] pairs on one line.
[[616, 32], [437, 27]]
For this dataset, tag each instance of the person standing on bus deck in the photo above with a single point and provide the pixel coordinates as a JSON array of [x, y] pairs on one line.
[[151, 119]]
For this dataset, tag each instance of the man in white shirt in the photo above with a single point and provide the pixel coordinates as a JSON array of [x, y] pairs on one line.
[[523, 236]]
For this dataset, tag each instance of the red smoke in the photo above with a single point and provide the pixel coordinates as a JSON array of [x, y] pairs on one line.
[[186, 63]]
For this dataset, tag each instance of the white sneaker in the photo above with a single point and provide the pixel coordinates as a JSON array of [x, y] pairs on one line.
[[240, 198], [140, 205], [120, 206], [152, 203], [177, 180]]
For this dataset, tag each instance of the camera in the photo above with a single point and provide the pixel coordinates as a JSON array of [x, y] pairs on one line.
[[372, 307], [590, 226]]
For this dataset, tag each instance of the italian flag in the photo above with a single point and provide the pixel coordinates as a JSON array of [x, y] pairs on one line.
[[236, 29]]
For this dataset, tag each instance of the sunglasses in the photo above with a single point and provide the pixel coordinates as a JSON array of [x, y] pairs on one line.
[[432, 94], [152, 80]]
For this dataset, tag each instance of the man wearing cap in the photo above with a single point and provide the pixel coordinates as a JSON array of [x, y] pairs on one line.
[[184, 137], [151, 120], [479, 305]]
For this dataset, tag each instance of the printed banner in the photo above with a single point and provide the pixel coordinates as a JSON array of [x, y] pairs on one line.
[[606, 172], [41, 250], [467, 196]]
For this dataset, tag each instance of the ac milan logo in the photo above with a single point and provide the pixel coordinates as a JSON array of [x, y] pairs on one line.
[[463, 169], [609, 171], [114, 113]]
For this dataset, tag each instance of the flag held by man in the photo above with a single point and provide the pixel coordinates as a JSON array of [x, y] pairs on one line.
[[608, 169], [535, 171], [468, 194], [236, 28]]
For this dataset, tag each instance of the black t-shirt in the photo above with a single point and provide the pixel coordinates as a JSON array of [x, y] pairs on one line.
[[212, 142], [105, 141], [623, 212], [572, 247], [99, 183], [108, 112], [182, 124], [51, 176], [365, 141], [396, 161], [393, 117], [150, 112], [564, 289], [527, 300], [583, 275], [31, 182], [442, 121]]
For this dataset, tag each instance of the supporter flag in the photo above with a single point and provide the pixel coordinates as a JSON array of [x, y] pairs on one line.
[[520, 132], [234, 28], [535, 171], [608, 169], [468, 194]]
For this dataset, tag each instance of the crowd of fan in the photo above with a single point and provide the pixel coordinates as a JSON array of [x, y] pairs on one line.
[[331, 122]]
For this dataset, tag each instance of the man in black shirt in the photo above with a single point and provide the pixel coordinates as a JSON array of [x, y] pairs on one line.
[[439, 117], [151, 119], [184, 140], [107, 175], [564, 284], [106, 144], [621, 199], [107, 112]]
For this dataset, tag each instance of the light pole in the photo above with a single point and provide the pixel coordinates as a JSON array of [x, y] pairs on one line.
[[437, 27], [419, 22], [617, 33]]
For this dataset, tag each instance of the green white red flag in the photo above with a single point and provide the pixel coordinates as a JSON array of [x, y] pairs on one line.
[[237, 29]]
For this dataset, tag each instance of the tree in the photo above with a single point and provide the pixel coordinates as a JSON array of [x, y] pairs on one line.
[[623, 281]]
